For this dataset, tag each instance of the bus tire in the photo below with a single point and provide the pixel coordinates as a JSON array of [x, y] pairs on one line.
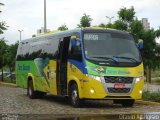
[[30, 90], [128, 103], [74, 96]]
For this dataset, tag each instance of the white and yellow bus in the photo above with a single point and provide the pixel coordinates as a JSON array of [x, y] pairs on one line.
[[81, 64]]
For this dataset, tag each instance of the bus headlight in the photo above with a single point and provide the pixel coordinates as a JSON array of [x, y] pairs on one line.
[[92, 91], [139, 79], [140, 91], [96, 77]]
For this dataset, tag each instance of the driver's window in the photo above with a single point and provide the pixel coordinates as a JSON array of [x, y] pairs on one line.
[[75, 51]]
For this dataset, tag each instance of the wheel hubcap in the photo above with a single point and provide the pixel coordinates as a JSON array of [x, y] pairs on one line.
[[74, 96], [30, 91]]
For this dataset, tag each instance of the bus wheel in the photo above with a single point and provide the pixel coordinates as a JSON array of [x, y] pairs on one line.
[[128, 103], [74, 96], [30, 90]]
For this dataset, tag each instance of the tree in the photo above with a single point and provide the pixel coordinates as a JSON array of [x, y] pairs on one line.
[[3, 25], [129, 22], [126, 15], [63, 28], [102, 25], [119, 25], [3, 45], [136, 28], [1, 4], [11, 56], [157, 55], [3, 50], [85, 21], [148, 52], [33, 36]]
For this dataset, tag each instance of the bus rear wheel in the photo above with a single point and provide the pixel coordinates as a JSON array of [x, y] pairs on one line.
[[34, 94], [30, 90], [74, 96]]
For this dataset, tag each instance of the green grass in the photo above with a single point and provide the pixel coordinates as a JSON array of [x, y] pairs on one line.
[[153, 96]]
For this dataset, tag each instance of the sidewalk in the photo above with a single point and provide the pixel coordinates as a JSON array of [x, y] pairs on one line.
[[151, 87]]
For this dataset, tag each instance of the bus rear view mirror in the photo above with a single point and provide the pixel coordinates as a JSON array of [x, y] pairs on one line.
[[140, 44], [73, 37]]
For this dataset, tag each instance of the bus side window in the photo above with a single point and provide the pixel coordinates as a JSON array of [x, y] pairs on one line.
[[75, 51]]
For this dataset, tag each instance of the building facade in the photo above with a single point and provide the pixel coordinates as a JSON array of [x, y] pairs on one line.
[[145, 23]]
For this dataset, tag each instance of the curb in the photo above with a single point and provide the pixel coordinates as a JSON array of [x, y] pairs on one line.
[[147, 102], [8, 84]]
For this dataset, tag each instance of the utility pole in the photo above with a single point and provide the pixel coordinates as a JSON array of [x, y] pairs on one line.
[[110, 18], [45, 24], [20, 31]]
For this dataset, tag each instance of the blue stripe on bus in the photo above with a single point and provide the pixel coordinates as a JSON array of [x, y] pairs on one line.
[[79, 65]]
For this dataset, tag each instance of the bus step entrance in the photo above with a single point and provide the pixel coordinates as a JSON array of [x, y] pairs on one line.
[[62, 90]]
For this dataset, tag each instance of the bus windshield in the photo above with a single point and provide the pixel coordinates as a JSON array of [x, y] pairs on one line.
[[111, 46]]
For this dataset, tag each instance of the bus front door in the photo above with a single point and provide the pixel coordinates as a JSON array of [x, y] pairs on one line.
[[62, 66]]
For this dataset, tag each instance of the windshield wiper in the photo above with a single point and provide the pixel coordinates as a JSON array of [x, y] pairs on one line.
[[127, 58], [108, 58]]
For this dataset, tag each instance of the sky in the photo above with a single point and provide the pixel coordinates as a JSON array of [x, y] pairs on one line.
[[27, 15]]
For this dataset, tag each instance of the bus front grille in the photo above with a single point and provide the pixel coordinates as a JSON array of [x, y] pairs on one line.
[[111, 81], [118, 79], [118, 90]]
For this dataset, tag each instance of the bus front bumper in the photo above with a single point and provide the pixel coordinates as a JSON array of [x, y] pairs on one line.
[[100, 90]]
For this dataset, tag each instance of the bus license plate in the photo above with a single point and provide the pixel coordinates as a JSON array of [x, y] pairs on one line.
[[119, 86]]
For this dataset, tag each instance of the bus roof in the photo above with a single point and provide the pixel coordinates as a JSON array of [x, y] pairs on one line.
[[62, 33]]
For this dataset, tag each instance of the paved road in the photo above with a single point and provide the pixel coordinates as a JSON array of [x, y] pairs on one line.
[[14, 100]]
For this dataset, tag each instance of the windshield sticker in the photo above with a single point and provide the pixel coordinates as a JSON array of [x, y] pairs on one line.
[[113, 71], [97, 69], [100, 69], [90, 37], [104, 70]]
